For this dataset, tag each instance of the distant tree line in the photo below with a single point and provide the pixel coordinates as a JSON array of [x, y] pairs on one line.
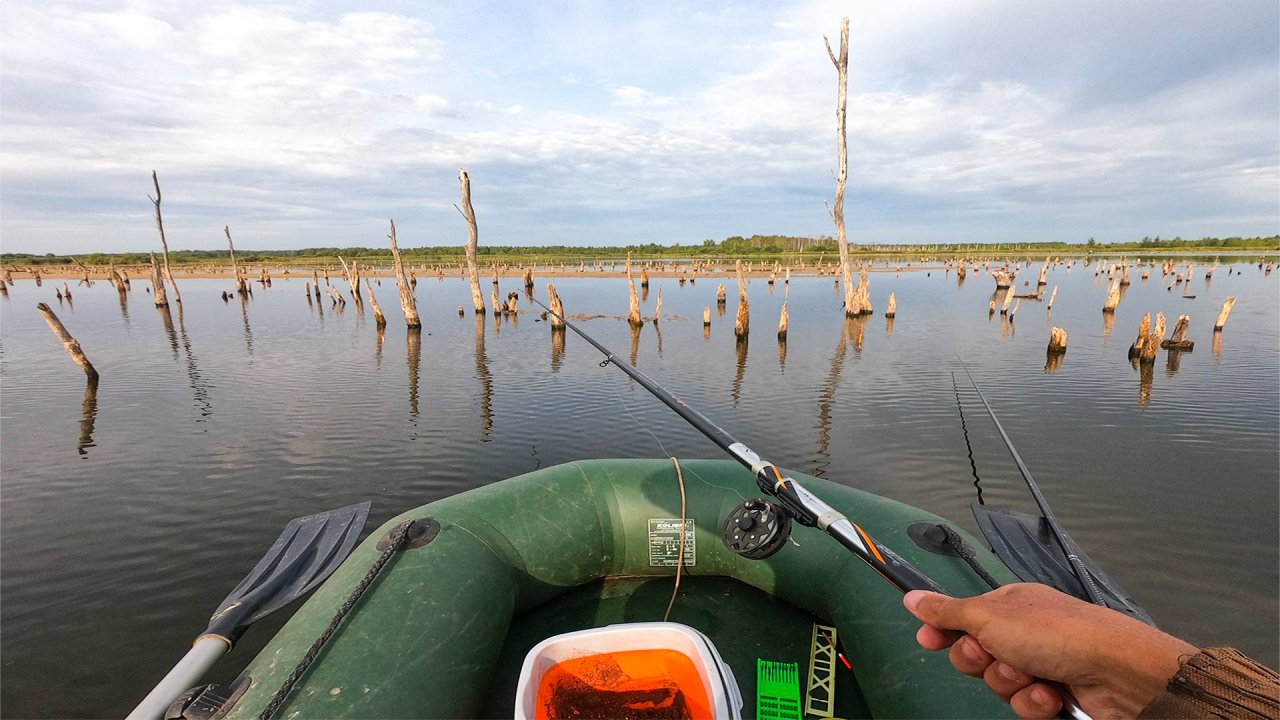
[[734, 246]]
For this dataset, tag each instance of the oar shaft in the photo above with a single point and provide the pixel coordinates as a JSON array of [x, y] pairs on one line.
[[202, 655]]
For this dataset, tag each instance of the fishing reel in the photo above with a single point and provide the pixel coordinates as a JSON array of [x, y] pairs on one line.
[[756, 529]]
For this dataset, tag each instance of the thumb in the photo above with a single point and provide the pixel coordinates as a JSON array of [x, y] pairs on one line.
[[938, 610]]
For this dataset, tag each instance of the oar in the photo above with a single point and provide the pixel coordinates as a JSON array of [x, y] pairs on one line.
[[802, 504], [1064, 540], [308, 550]]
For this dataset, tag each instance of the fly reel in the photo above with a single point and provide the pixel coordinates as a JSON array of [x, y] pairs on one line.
[[756, 529]]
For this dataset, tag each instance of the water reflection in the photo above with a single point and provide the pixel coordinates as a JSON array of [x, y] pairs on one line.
[[1146, 374], [1173, 363], [167, 319], [782, 355], [88, 415], [124, 307], [826, 399], [248, 332], [1108, 322], [740, 347], [888, 327], [557, 348], [1053, 361], [377, 348], [198, 387], [486, 380], [413, 345], [635, 344], [1217, 346]]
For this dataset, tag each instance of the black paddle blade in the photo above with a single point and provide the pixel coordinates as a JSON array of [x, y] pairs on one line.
[[308, 550], [1026, 545]]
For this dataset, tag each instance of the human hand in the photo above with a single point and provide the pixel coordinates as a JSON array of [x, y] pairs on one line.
[[1016, 637]]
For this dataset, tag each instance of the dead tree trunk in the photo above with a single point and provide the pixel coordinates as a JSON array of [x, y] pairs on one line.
[[352, 274], [842, 172], [1151, 345], [71, 344], [657, 311], [1222, 316], [157, 284], [1052, 296], [1057, 340], [1179, 341], [528, 279], [1135, 350], [557, 308], [892, 309], [473, 240], [742, 324], [378, 317], [164, 246], [1113, 297], [784, 321], [706, 316], [235, 268], [721, 295], [633, 314], [407, 300]]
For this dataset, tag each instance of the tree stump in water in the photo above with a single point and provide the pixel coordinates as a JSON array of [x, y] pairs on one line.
[[644, 277], [1113, 297], [557, 307], [407, 301], [892, 309], [1052, 296], [1057, 340], [633, 314], [742, 324], [1135, 350], [1222, 316], [378, 317], [783, 322], [157, 282], [71, 344], [493, 298], [721, 295], [1152, 344], [706, 317], [1179, 341], [657, 311]]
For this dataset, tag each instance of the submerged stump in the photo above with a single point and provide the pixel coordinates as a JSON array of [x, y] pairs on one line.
[[1221, 322], [70, 343]]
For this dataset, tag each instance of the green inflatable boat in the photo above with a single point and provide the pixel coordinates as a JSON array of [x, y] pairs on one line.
[[481, 577]]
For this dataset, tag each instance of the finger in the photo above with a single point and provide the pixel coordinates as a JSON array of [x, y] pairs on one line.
[[1036, 701], [932, 638], [939, 610], [969, 657], [1004, 680]]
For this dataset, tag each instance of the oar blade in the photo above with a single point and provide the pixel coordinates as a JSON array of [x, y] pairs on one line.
[[1027, 546], [308, 550]]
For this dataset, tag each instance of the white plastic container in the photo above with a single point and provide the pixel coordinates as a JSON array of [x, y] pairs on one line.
[[717, 677]]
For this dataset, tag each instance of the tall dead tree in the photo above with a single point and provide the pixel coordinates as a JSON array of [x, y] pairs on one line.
[[352, 274], [407, 301], [164, 245], [557, 308], [842, 172], [473, 239], [633, 313]]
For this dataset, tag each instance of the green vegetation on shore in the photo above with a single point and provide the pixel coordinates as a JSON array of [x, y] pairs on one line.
[[756, 246]]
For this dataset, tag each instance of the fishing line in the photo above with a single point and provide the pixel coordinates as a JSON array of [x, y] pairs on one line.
[[977, 481]]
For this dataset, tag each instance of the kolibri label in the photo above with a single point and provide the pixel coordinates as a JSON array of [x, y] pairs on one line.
[[664, 542]]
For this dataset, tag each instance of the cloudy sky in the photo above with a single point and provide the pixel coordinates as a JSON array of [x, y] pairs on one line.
[[305, 122]]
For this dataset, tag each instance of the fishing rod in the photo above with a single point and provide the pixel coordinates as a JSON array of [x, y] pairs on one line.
[[803, 505], [1064, 540]]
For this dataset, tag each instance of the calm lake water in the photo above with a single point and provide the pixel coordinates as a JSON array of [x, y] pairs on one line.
[[126, 517]]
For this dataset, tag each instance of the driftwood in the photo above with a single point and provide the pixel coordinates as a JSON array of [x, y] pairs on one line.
[[892, 308], [842, 171], [1222, 316], [742, 324], [157, 282], [783, 322], [71, 344], [557, 308], [407, 301], [378, 317], [1179, 341], [164, 246]]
